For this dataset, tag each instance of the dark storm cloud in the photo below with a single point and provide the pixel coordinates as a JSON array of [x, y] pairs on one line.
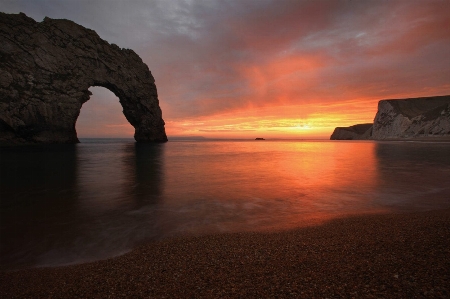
[[214, 56]]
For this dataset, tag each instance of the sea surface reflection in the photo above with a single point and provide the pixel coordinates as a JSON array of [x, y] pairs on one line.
[[68, 204]]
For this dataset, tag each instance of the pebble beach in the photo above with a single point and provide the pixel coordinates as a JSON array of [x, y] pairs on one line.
[[369, 256]]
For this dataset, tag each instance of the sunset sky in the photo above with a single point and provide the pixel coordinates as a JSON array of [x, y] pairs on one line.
[[261, 68]]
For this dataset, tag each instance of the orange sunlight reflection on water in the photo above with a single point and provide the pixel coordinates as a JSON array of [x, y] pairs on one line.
[[271, 185], [327, 172], [100, 198]]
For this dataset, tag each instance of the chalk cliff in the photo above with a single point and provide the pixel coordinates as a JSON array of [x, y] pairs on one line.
[[412, 118], [416, 118], [356, 132], [46, 69]]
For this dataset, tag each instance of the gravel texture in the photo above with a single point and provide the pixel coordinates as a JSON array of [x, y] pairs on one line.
[[372, 256]]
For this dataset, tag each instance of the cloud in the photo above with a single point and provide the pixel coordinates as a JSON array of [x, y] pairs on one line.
[[291, 52], [216, 58], [102, 116]]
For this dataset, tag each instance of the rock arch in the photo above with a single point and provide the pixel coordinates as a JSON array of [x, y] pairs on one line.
[[46, 69], [102, 116]]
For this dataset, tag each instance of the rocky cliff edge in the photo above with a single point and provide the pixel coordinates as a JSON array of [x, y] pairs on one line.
[[426, 118], [412, 118], [46, 69], [356, 132]]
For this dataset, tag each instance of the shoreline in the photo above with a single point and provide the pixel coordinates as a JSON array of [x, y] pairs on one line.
[[418, 139], [373, 255]]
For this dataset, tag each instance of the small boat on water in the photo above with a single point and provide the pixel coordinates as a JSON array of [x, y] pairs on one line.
[[259, 138]]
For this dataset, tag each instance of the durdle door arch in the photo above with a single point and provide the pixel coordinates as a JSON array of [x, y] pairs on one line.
[[46, 70]]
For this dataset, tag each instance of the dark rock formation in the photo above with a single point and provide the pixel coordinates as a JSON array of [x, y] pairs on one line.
[[418, 118], [46, 69], [412, 118], [356, 132]]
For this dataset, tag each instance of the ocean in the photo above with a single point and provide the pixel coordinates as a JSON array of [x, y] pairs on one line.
[[67, 204]]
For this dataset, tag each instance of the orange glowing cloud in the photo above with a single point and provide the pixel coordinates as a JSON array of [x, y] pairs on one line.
[[293, 121], [278, 80], [294, 69]]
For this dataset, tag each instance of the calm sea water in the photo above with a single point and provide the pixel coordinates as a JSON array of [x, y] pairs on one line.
[[65, 204]]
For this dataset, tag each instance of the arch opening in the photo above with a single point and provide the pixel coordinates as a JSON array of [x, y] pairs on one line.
[[102, 116]]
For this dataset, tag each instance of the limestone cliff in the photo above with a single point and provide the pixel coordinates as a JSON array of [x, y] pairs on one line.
[[46, 69], [417, 118], [356, 132], [412, 118]]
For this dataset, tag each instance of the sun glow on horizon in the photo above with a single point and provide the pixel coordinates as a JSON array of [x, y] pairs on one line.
[[293, 121], [275, 69]]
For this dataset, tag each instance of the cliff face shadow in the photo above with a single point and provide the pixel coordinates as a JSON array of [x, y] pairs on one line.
[[144, 163], [413, 176], [38, 193], [37, 166], [32, 175], [402, 154], [63, 204]]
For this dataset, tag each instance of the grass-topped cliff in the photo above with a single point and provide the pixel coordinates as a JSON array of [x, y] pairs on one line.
[[415, 118]]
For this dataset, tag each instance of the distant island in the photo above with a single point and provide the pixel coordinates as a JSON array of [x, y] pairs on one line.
[[426, 118], [259, 138]]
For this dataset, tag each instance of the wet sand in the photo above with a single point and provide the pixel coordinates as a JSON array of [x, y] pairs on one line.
[[372, 256]]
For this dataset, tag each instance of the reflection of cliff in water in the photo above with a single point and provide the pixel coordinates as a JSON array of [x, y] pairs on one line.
[[38, 194], [65, 204], [119, 185], [413, 175], [145, 171]]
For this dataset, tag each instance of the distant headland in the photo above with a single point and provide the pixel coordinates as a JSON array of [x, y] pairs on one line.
[[426, 118], [46, 69]]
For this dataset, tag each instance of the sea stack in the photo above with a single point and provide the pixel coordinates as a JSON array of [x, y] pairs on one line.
[[46, 69]]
